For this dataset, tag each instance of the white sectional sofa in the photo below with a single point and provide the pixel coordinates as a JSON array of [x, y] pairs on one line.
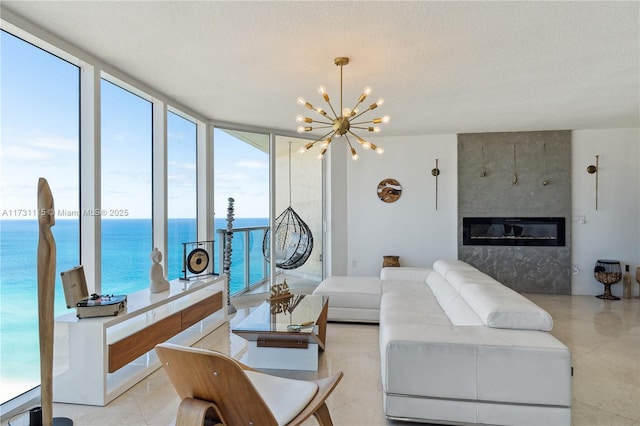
[[458, 347]]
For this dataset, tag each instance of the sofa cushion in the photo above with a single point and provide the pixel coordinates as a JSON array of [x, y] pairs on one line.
[[443, 267], [405, 273], [417, 307], [351, 292], [500, 307], [451, 302]]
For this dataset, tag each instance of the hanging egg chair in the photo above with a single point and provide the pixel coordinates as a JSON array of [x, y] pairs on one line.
[[292, 239]]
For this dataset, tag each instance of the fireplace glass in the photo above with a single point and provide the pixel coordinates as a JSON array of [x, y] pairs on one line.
[[513, 231]]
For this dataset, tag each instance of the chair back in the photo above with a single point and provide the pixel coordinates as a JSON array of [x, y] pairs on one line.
[[211, 376]]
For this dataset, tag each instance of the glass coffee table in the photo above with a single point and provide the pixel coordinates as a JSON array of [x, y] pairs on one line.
[[286, 333]]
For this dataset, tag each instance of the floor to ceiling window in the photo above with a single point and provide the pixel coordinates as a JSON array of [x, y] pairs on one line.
[[241, 172], [39, 134], [298, 189], [181, 189], [126, 189]]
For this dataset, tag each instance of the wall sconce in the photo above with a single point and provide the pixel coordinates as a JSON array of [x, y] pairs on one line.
[[515, 174], [545, 181], [436, 172], [594, 170]]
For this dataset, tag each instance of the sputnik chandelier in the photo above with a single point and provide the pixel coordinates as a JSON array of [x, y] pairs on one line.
[[341, 125]]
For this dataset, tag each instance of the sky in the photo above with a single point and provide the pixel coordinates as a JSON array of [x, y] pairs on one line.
[[40, 132]]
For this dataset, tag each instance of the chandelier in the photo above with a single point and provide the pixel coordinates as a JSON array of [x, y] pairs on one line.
[[343, 124]]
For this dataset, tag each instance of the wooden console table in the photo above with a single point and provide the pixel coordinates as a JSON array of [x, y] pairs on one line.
[[97, 359]]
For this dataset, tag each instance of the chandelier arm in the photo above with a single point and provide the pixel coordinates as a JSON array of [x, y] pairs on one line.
[[356, 136], [325, 122], [320, 114], [324, 127], [359, 114], [361, 128], [333, 132], [348, 141], [332, 110], [356, 105], [361, 122]]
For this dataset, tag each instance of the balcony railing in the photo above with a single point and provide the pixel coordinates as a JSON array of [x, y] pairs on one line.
[[248, 266]]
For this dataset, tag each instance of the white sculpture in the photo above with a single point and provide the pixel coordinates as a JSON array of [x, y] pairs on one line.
[[158, 281]]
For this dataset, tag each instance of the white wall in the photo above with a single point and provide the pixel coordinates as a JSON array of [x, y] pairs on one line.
[[410, 227], [612, 231], [414, 230]]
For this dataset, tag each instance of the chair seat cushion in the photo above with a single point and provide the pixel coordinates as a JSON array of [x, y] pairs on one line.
[[286, 398]]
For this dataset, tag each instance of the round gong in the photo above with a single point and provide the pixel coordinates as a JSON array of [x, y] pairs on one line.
[[389, 190], [197, 261]]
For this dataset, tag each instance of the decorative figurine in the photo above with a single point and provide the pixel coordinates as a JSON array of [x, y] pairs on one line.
[[158, 281]]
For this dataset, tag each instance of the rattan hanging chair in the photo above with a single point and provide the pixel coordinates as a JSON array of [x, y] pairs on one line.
[[292, 239]]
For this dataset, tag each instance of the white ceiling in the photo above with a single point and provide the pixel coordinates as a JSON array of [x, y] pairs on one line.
[[442, 67]]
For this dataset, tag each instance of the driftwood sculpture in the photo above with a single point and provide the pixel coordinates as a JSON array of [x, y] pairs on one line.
[[46, 291], [46, 288]]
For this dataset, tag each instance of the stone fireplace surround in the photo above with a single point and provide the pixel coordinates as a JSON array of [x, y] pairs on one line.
[[517, 174]]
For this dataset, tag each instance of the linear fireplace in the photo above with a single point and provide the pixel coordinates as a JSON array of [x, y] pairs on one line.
[[513, 231]]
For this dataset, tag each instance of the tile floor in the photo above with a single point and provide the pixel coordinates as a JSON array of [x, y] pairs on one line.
[[604, 337]]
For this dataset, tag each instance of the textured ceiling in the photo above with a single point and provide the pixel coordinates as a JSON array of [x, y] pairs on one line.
[[442, 67]]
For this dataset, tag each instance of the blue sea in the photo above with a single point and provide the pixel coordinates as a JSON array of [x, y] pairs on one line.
[[126, 245]]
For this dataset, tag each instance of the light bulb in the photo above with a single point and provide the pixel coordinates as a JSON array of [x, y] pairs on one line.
[[379, 150], [346, 112], [299, 118], [325, 144], [323, 91], [364, 95], [354, 154], [321, 111], [302, 101], [379, 120], [376, 129], [302, 129], [379, 101], [306, 148], [366, 145]]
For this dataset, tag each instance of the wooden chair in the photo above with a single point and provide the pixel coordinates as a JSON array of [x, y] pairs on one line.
[[215, 388]]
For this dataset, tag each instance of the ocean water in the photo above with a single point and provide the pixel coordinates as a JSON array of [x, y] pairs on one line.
[[126, 246]]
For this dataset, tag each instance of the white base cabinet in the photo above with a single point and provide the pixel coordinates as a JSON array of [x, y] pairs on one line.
[[97, 359]]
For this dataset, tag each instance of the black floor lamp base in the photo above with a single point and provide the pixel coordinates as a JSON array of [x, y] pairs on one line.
[[35, 418]]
